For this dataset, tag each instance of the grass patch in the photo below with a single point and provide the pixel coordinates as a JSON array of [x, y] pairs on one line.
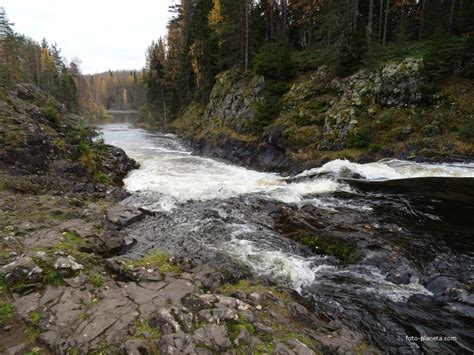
[[60, 144], [96, 280], [103, 178], [31, 333], [71, 243], [35, 317], [157, 259], [142, 327], [52, 113], [7, 310], [247, 287]]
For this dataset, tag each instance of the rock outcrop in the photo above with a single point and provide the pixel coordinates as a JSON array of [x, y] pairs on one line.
[[393, 84], [389, 110], [234, 98]]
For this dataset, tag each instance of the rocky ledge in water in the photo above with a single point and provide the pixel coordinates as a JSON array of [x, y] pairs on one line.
[[64, 286]]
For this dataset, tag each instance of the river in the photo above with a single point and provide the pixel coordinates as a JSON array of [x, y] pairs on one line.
[[403, 265]]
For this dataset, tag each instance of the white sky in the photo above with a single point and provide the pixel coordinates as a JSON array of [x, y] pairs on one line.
[[104, 34]]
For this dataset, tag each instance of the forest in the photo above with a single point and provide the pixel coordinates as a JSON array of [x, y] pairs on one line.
[[280, 39], [24, 60]]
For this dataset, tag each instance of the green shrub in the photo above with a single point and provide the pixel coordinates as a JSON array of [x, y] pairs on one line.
[[445, 56], [102, 177], [35, 317], [386, 119], [96, 280], [6, 311], [87, 157], [266, 111], [467, 130], [428, 130], [398, 134], [374, 147], [274, 61], [51, 112], [349, 59], [361, 138]]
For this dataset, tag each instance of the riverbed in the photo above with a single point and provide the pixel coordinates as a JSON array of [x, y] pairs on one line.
[[401, 266]]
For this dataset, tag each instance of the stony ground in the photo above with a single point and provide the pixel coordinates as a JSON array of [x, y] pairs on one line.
[[66, 286]]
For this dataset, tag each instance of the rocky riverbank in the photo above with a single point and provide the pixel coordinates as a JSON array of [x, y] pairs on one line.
[[66, 286], [391, 110]]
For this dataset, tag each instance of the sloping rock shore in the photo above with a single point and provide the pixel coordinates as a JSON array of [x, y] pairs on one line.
[[66, 286]]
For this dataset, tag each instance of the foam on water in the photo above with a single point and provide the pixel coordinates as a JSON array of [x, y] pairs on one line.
[[298, 272], [392, 169], [293, 270], [175, 176]]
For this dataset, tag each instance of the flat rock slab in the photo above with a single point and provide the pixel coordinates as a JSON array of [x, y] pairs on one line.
[[123, 216]]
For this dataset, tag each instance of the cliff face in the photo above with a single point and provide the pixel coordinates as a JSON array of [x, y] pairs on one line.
[[233, 100], [391, 110]]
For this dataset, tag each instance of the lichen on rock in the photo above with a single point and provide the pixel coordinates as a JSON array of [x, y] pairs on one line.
[[233, 99]]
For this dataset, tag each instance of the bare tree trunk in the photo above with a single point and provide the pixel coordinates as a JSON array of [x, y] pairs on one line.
[[38, 69], [380, 21], [422, 20], [451, 15], [246, 60], [370, 21], [164, 103], [355, 14], [284, 14], [311, 25], [386, 23]]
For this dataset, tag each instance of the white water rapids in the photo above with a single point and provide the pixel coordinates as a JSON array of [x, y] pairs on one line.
[[171, 176]]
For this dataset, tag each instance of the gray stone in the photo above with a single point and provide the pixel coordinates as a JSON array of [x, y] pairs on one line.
[[299, 348], [212, 281], [256, 298], [136, 347], [16, 350], [77, 281], [67, 263], [165, 321], [297, 310], [282, 349], [22, 271], [177, 343], [123, 216], [214, 337], [218, 315], [262, 328]]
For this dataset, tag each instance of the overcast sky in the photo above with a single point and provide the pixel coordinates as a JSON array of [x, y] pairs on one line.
[[104, 34]]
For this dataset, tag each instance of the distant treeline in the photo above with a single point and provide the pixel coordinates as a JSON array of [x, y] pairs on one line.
[[112, 90], [277, 38]]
